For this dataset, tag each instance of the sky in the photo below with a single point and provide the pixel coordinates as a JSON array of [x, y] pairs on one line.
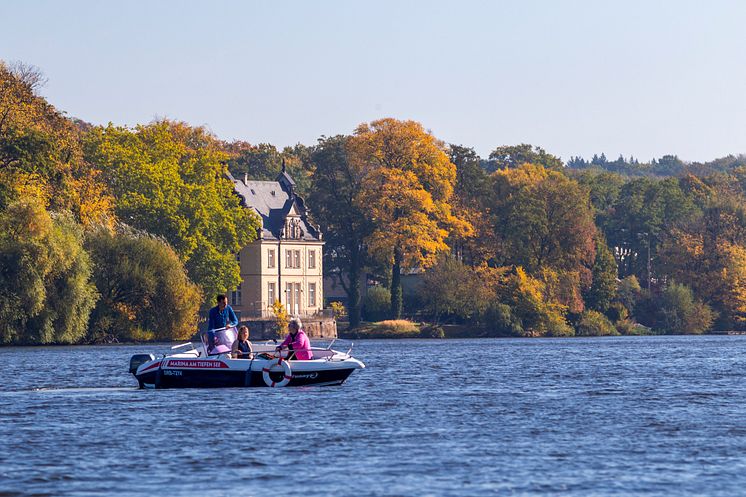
[[640, 78]]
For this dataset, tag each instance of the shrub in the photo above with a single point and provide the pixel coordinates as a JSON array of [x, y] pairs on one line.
[[377, 304], [593, 323], [679, 312], [282, 319], [339, 310], [432, 331], [502, 320], [396, 328]]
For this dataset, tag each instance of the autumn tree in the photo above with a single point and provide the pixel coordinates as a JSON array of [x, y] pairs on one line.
[[170, 181], [527, 298], [40, 152], [407, 188]]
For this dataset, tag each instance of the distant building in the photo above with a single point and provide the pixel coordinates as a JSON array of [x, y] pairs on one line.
[[285, 262]]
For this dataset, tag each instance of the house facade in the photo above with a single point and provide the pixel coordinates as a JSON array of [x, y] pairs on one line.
[[285, 262]]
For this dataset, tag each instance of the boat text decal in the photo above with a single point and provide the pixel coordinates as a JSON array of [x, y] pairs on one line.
[[186, 363]]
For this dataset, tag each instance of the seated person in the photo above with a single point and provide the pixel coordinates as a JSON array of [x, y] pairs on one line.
[[297, 343], [242, 346]]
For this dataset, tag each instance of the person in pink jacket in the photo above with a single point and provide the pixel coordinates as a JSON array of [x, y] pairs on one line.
[[297, 342]]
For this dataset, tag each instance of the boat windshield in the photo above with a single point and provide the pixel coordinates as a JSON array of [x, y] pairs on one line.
[[219, 341]]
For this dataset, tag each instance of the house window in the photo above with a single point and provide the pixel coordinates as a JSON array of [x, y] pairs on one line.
[[236, 296], [288, 258], [271, 258], [296, 258], [271, 296], [312, 295], [312, 259]]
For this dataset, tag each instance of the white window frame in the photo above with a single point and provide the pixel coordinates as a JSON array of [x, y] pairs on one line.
[[271, 258], [311, 259], [271, 294], [312, 295]]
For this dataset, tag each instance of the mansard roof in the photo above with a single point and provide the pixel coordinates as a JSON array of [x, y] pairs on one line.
[[273, 201]]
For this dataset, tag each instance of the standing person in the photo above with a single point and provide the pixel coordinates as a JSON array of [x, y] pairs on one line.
[[297, 343], [242, 348], [222, 315]]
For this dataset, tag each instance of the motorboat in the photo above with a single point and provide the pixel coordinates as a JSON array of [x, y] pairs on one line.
[[211, 365]]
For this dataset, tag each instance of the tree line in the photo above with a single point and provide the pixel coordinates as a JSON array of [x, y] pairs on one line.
[[111, 232]]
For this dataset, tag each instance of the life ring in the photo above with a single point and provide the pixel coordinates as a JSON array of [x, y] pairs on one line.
[[287, 374]]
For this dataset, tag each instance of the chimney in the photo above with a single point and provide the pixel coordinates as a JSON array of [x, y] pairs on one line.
[[246, 179]]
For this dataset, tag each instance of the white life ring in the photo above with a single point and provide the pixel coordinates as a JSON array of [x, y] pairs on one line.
[[287, 373]]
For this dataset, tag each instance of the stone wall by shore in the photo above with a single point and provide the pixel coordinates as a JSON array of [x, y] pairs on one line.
[[319, 328]]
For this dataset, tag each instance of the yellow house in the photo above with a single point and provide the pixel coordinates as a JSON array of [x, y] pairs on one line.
[[285, 262]]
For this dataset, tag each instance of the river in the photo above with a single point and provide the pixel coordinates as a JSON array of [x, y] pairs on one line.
[[596, 416]]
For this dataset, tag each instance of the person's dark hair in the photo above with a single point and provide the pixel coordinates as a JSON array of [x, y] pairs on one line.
[[221, 297]]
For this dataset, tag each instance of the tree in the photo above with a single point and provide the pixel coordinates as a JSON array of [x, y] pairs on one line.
[[603, 288], [338, 208], [512, 156], [471, 192], [144, 288], [407, 188], [40, 152], [543, 219], [169, 180], [450, 288], [264, 162], [645, 210], [527, 298], [45, 291]]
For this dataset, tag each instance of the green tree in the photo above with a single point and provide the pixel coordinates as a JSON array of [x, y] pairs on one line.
[[512, 156], [645, 210], [144, 288], [603, 288], [169, 180], [339, 210], [544, 220], [264, 162], [45, 291]]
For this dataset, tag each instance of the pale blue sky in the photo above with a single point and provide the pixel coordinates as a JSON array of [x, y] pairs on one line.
[[576, 77]]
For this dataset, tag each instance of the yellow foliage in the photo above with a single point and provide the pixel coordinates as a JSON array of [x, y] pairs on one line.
[[282, 319], [407, 185]]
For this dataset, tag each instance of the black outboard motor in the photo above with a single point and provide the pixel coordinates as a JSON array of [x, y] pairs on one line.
[[138, 360]]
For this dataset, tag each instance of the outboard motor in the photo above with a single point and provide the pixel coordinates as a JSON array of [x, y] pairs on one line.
[[138, 360]]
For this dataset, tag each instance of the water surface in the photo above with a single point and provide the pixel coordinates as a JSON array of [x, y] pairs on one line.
[[602, 416]]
